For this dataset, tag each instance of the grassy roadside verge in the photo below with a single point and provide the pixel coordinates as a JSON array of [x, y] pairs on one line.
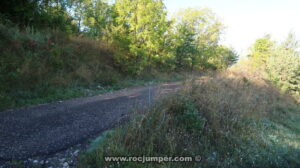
[[230, 119]]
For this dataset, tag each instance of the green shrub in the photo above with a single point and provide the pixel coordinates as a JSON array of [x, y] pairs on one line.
[[280, 61], [187, 116], [284, 70]]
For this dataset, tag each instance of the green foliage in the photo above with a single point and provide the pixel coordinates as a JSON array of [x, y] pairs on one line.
[[43, 14], [223, 57], [92, 16], [19, 11], [261, 50], [281, 61], [139, 30], [186, 49], [187, 116], [283, 67], [196, 37]]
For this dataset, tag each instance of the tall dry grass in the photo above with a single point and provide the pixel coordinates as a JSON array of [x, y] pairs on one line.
[[230, 119]]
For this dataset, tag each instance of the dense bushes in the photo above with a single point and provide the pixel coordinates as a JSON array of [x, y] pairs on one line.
[[190, 41], [281, 61], [38, 14], [283, 69], [195, 41]]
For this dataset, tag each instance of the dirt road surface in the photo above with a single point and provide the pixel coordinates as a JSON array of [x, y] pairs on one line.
[[49, 128]]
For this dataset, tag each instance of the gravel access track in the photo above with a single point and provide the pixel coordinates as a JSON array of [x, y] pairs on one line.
[[49, 128]]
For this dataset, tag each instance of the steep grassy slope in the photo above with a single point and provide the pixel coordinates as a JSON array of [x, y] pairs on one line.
[[35, 64], [230, 119]]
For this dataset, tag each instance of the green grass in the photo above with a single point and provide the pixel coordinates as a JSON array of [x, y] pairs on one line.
[[227, 120]]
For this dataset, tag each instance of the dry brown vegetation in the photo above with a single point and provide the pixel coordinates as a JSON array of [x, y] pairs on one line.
[[231, 119]]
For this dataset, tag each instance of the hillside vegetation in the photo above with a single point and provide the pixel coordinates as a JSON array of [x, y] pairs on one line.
[[58, 49], [230, 119], [246, 116], [35, 64]]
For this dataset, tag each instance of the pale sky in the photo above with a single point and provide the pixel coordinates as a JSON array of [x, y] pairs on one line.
[[247, 20]]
